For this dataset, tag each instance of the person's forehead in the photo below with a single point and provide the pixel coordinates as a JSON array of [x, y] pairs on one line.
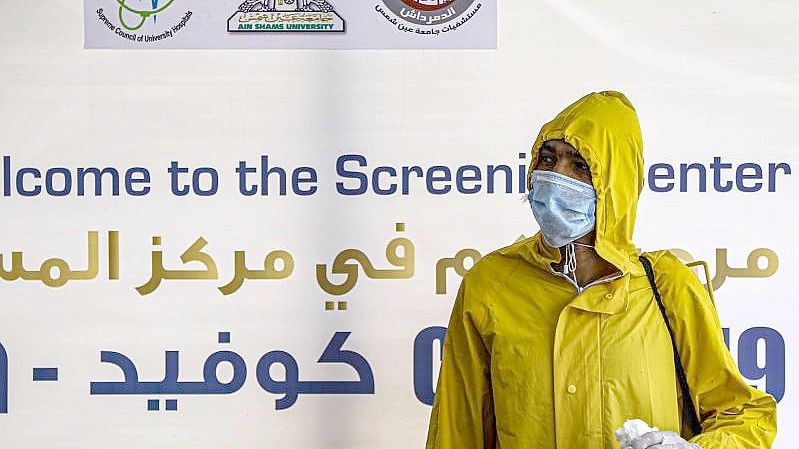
[[559, 146]]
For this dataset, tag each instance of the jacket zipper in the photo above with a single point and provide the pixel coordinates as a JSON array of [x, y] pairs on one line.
[[581, 289]]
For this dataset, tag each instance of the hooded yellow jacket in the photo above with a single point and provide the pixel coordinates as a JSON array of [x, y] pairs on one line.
[[531, 362]]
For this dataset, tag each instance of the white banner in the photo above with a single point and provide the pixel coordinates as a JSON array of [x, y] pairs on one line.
[[250, 249]]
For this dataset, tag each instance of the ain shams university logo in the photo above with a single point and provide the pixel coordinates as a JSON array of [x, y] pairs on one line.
[[428, 16], [285, 15]]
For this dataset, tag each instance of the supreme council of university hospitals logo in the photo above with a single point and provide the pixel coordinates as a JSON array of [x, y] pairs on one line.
[[285, 15], [428, 16], [143, 21]]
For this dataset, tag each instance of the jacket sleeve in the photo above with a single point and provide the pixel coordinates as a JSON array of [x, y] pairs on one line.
[[462, 416], [733, 414]]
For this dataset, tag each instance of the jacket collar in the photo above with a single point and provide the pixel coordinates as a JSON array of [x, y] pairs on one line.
[[607, 297]]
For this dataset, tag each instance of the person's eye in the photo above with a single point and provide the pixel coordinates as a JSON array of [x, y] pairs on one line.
[[582, 166], [547, 159]]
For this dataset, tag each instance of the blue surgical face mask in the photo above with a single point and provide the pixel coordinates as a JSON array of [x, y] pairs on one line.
[[564, 207]]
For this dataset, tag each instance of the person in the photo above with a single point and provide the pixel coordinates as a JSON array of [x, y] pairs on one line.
[[556, 340]]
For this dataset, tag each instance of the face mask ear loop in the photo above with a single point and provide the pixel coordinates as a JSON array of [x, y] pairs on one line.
[[573, 261], [570, 264]]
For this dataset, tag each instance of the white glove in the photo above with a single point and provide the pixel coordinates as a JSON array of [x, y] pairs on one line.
[[636, 434], [662, 439], [631, 429]]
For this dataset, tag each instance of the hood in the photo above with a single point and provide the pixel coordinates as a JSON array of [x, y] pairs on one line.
[[603, 127]]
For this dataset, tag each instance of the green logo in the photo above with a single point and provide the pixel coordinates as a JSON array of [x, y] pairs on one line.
[[141, 13]]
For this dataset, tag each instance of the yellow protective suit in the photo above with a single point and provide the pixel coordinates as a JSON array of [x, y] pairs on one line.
[[529, 363]]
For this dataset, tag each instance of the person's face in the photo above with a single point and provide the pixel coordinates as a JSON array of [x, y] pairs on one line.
[[560, 157]]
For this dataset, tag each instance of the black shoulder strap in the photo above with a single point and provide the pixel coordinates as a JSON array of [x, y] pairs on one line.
[[688, 403]]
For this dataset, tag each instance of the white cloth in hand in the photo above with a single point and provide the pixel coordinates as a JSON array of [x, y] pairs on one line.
[[636, 434], [631, 429]]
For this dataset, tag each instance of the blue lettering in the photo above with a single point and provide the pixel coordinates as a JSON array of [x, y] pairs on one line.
[[98, 182], [130, 180], [740, 177], [296, 180], [174, 171], [702, 175], [341, 171], [376, 181], [522, 174], [460, 177], [48, 181], [654, 176], [243, 171], [21, 182], [406, 173], [431, 178], [423, 381], [773, 370], [504, 169], [266, 171], [717, 166], [195, 181], [772, 174]]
